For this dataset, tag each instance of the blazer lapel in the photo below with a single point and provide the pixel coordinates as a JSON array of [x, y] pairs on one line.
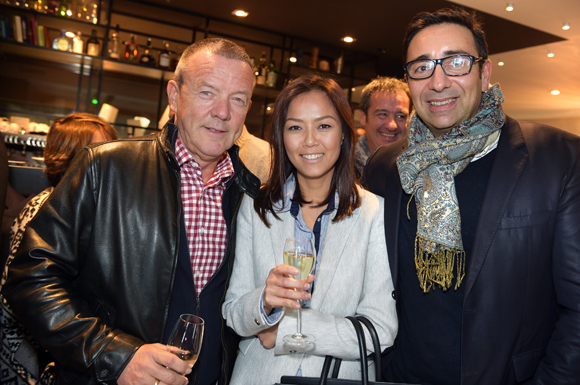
[[393, 192], [337, 235], [510, 159]]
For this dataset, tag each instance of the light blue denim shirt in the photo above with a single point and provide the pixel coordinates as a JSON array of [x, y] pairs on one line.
[[301, 230]]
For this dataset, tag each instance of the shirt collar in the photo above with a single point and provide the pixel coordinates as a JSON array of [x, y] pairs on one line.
[[288, 195], [224, 169]]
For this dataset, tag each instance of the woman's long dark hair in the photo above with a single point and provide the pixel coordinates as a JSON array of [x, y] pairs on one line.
[[343, 178]]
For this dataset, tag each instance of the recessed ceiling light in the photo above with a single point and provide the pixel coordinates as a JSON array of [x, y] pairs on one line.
[[240, 13], [348, 39], [510, 7], [566, 26], [551, 54], [500, 63], [555, 92]]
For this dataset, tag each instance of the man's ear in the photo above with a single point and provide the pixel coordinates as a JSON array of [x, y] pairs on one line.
[[485, 75], [363, 118], [172, 94]]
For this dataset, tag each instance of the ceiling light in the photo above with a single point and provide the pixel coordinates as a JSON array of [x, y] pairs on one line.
[[240, 13], [293, 59], [566, 26], [555, 92], [348, 39], [551, 54], [500, 63], [510, 7]]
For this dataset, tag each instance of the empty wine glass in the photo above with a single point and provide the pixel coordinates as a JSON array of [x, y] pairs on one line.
[[186, 338], [299, 253]]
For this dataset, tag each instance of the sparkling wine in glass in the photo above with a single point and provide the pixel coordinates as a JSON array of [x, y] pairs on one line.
[[299, 253], [186, 338]]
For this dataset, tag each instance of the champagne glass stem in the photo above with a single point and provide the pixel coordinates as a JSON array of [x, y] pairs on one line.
[[299, 320]]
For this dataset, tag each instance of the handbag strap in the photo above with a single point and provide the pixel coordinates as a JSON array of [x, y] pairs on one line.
[[362, 347], [325, 370], [376, 344]]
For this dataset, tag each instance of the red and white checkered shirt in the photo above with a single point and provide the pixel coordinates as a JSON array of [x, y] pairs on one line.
[[207, 233]]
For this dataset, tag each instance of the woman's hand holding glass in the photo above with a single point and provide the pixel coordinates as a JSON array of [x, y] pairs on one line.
[[283, 290]]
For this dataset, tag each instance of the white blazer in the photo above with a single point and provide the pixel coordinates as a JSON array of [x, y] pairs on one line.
[[353, 278]]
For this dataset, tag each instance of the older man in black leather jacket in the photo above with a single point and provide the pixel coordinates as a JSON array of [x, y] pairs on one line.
[[104, 270]]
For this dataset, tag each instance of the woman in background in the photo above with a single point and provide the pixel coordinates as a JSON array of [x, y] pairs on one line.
[[312, 192], [67, 136]]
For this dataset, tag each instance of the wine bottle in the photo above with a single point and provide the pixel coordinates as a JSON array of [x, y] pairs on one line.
[[254, 66], [147, 59], [131, 49], [114, 50], [77, 44], [64, 10], [93, 45], [62, 43], [165, 56], [272, 75], [262, 70]]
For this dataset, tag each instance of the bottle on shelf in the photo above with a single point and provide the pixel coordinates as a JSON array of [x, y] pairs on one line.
[[52, 7], [93, 45], [165, 56], [340, 63], [262, 70], [314, 58], [64, 9], [131, 50], [175, 59], [272, 75], [114, 44], [254, 67], [147, 59], [77, 44], [62, 43]]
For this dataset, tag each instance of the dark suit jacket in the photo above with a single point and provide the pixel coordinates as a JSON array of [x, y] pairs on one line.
[[521, 308]]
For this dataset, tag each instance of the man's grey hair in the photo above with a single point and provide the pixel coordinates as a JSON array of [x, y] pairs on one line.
[[217, 46], [383, 84]]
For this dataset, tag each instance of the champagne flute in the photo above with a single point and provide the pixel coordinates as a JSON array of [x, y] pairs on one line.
[[186, 338], [299, 253]]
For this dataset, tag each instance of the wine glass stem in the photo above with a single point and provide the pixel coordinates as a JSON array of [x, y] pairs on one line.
[[299, 320]]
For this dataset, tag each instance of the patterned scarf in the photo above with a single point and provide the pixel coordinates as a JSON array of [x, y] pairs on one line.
[[427, 170]]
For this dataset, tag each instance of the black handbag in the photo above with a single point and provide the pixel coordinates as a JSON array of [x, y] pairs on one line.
[[333, 380]]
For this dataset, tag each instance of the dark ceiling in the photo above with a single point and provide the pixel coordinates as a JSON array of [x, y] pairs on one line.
[[378, 25]]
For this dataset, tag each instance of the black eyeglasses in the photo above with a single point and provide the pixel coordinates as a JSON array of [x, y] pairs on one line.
[[456, 65]]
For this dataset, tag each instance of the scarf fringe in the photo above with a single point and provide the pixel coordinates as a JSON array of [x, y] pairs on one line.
[[435, 264]]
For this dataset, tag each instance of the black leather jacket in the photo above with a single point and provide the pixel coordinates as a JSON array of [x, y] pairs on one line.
[[93, 277]]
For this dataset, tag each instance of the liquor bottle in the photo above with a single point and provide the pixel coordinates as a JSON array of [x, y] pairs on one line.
[[62, 43], [114, 50], [262, 70], [93, 45], [254, 67], [77, 44], [165, 56], [147, 59], [131, 50], [175, 59], [272, 75]]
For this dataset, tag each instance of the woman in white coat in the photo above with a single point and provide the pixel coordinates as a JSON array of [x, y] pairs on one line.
[[312, 192]]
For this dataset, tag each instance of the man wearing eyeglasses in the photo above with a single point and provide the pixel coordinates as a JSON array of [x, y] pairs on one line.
[[482, 224]]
